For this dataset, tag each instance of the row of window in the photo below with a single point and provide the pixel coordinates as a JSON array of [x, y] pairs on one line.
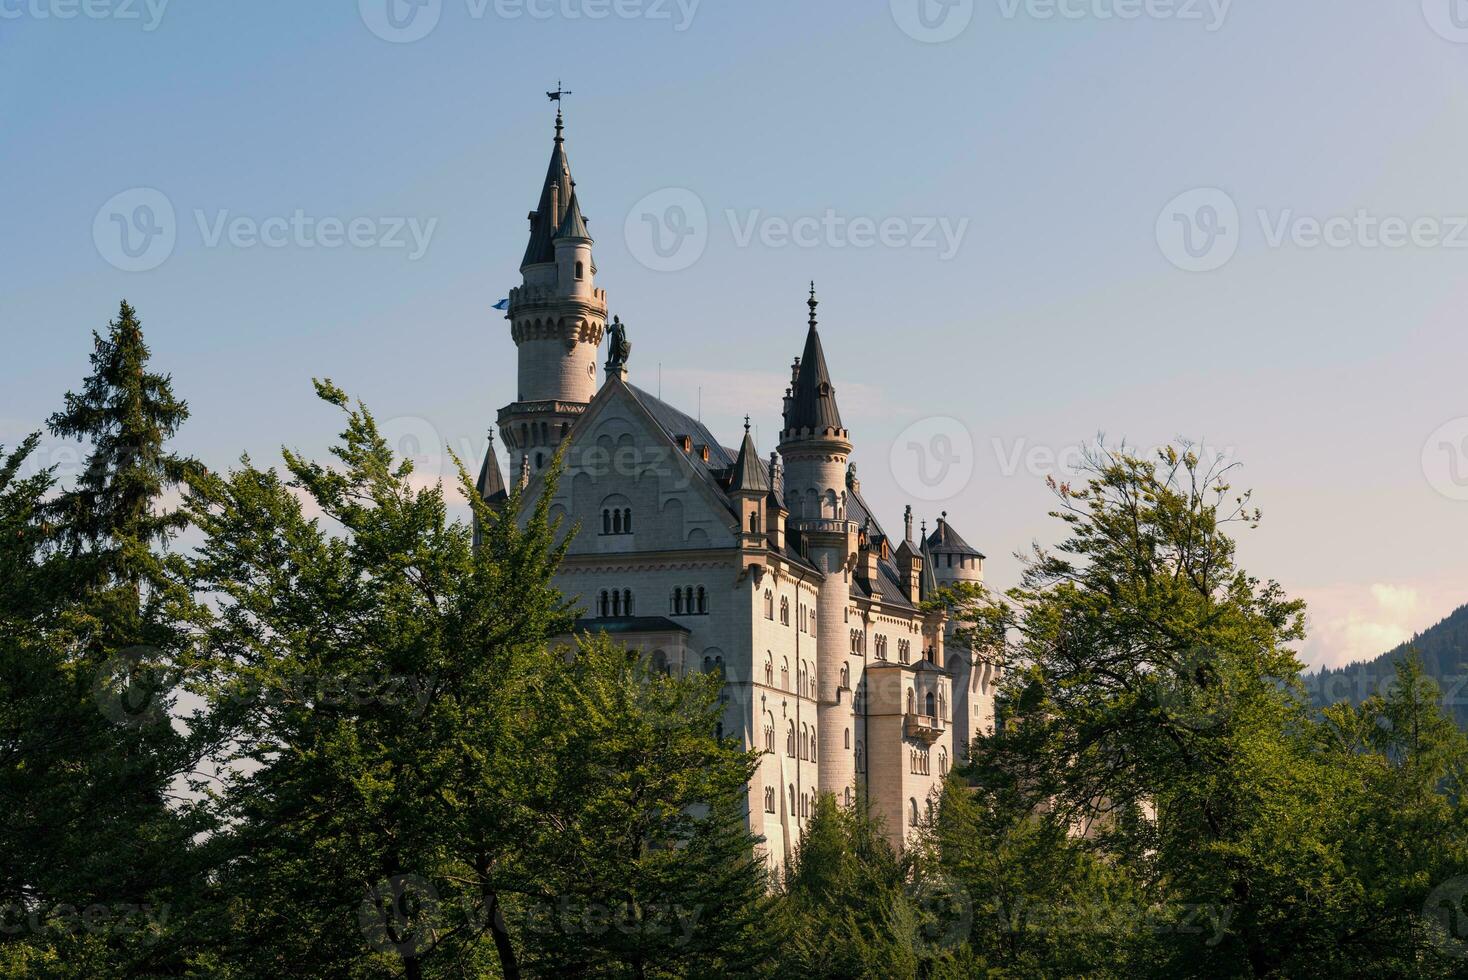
[[614, 604], [805, 615], [859, 647], [807, 801], [689, 602], [616, 520], [618, 604]]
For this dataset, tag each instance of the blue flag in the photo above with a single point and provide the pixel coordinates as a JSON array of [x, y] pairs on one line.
[[503, 304]]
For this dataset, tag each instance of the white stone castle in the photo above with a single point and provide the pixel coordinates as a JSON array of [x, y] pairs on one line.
[[775, 572]]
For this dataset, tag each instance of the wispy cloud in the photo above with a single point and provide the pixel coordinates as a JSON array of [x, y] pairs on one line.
[[1351, 622]]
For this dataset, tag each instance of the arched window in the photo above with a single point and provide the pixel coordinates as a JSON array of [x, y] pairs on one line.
[[616, 522], [676, 602], [861, 758], [769, 672], [580, 270], [627, 602], [769, 799], [754, 523], [785, 676], [784, 611], [603, 606], [912, 811], [846, 796], [790, 740], [770, 737], [792, 799], [703, 602], [942, 704], [812, 745], [943, 762], [911, 702], [848, 738], [846, 676], [627, 521], [769, 604], [606, 522], [932, 708], [803, 743]]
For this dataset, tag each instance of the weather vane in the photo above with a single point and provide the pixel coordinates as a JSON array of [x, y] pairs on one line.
[[559, 93]]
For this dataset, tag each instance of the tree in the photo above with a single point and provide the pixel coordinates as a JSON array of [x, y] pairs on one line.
[[639, 860], [418, 777], [847, 906], [1153, 705], [97, 838]]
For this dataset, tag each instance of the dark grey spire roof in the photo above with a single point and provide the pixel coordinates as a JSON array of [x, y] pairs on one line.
[[812, 408], [574, 225], [928, 584], [749, 473], [946, 541], [555, 201], [491, 485]]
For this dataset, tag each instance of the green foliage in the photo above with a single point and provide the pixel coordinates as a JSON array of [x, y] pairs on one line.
[[846, 908], [97, 838], [419, 782]]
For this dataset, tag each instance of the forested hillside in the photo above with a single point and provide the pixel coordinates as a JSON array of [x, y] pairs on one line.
[[1444, 653]]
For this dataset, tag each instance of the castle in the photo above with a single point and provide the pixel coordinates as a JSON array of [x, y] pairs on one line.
[[774, 572]]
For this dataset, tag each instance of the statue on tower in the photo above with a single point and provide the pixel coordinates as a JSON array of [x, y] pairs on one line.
[[618, 346]]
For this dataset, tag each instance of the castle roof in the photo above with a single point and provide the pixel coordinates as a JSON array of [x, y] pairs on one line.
[[812, 407], [555, 201], [491, 484], [946, 541], [573, 226], [888, 584], [749, 474]]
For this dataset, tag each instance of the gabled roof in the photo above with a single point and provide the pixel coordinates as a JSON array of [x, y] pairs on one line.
[[555, 201], [812, 407], [946, 541]]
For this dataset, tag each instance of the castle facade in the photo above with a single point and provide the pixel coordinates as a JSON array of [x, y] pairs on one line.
[[773, 571]]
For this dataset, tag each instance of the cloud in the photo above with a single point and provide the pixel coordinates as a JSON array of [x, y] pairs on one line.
[[1351, 622]]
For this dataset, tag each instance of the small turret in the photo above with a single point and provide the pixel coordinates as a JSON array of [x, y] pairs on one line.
[[749, 485]]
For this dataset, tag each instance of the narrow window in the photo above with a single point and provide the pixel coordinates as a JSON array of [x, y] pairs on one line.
[[580, 270]]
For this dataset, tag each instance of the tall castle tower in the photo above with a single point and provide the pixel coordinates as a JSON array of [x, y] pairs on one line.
[[815, 447], [557, 318]]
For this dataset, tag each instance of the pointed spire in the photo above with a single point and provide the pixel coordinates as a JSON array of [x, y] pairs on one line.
[[749, 473], [573, 226], [491, 485], [812, 404], [555, 201]]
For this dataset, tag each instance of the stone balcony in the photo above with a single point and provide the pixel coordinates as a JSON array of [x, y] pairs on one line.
[[925, 728]]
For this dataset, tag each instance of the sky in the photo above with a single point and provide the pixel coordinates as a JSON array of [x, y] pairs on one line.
[[1031, 223]]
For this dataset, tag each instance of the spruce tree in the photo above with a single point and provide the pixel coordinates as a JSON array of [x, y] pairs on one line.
[[92, 819]]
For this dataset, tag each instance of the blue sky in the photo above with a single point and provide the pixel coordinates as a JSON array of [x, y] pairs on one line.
[[1052, 139]]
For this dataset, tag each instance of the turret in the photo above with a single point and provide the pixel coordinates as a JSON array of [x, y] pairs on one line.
[[815, 447], [557, 318], [749, 487]]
